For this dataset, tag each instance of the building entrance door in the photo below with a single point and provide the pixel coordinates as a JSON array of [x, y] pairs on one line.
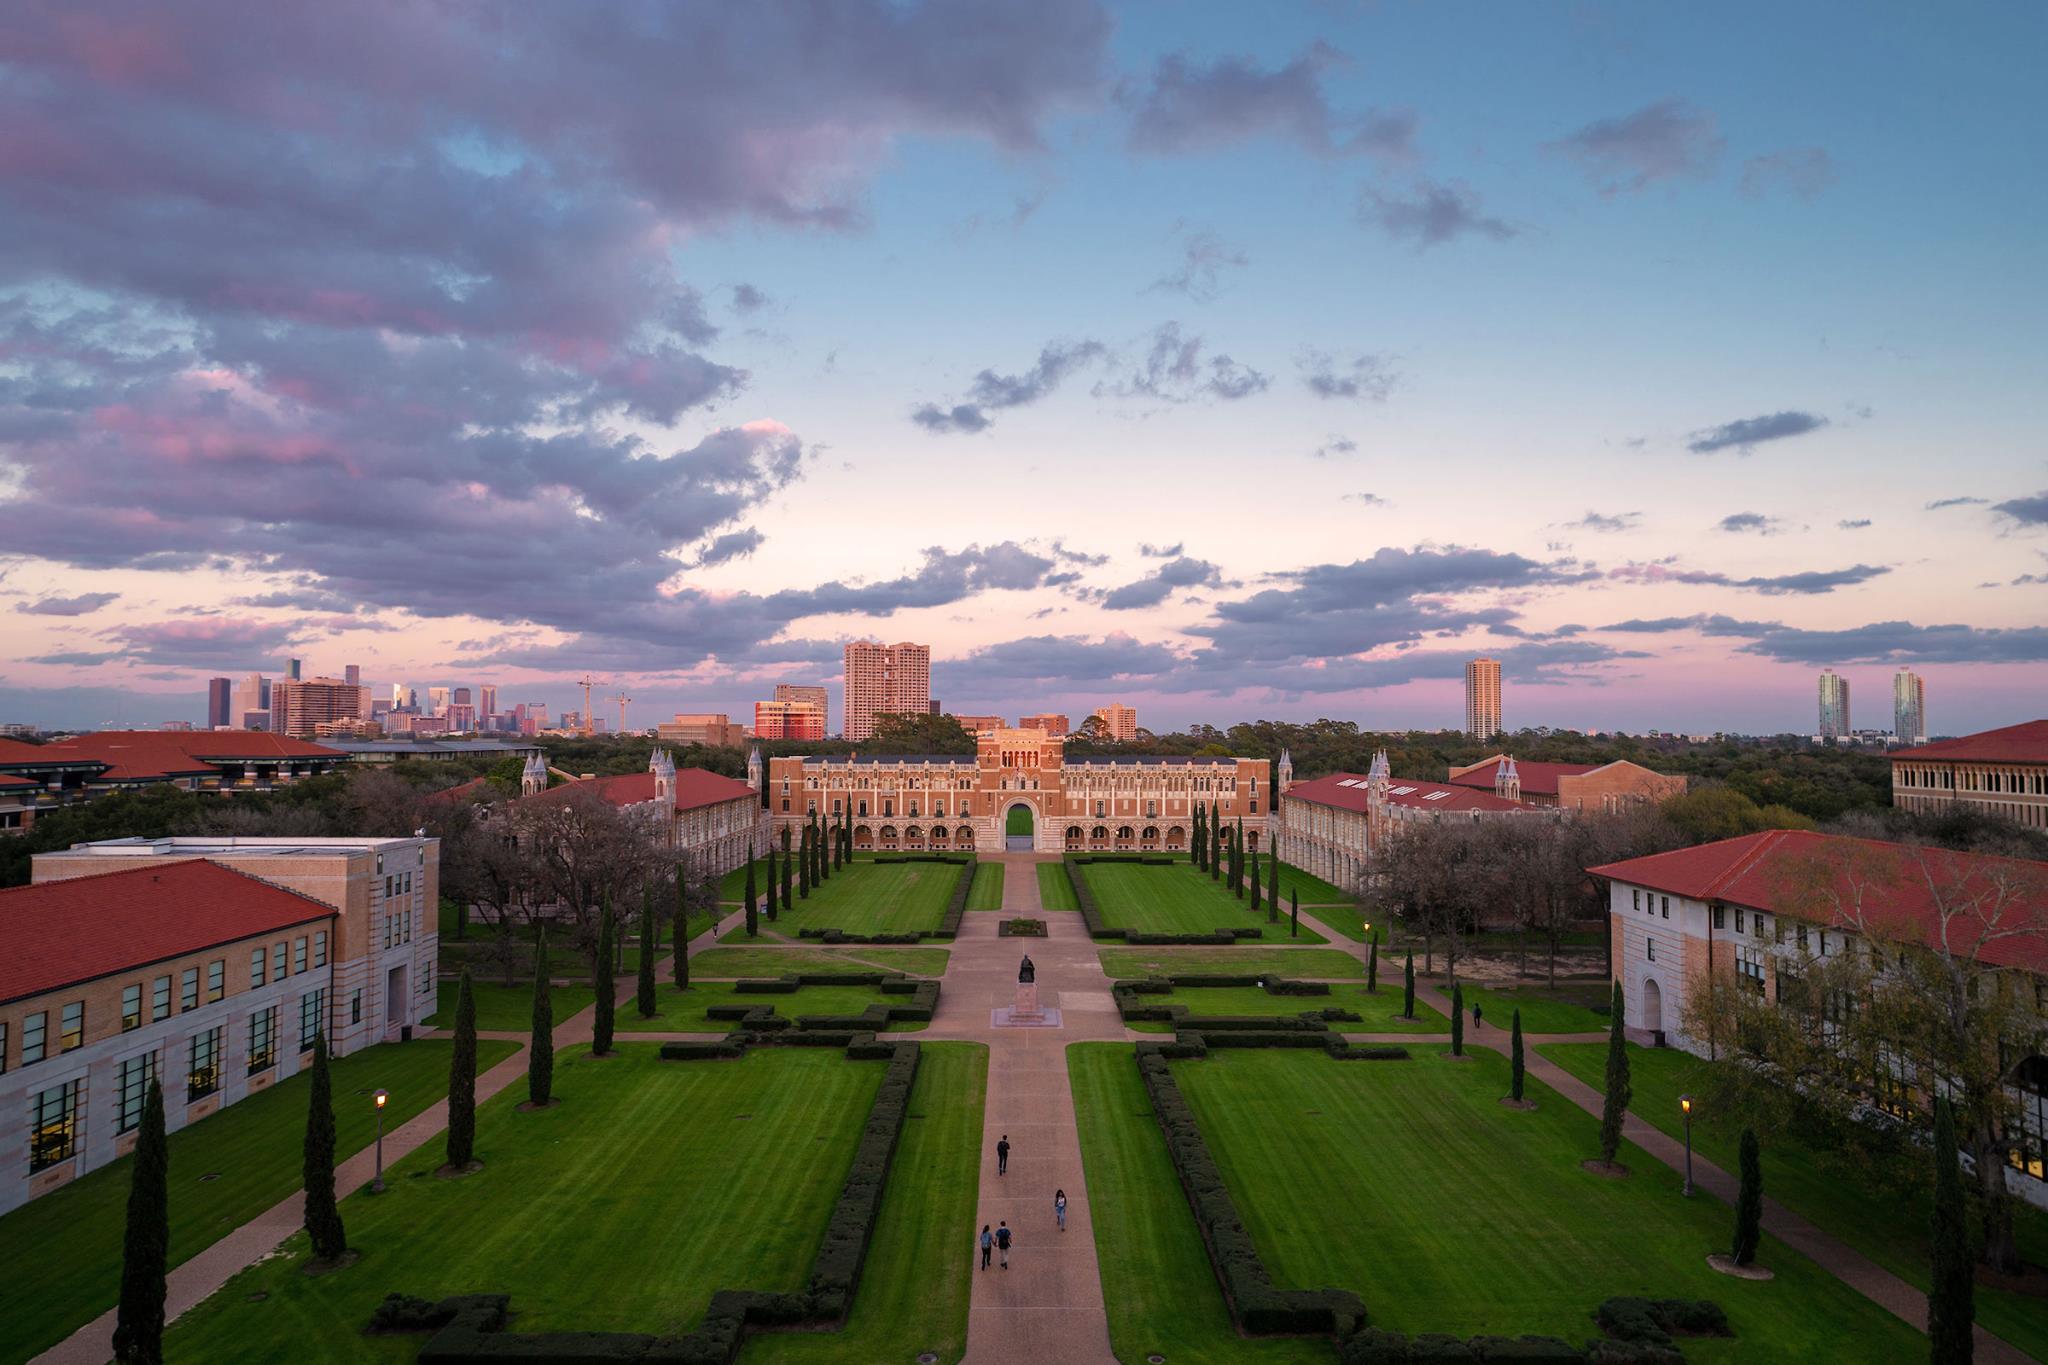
[[1019, 831], [394, 1000]]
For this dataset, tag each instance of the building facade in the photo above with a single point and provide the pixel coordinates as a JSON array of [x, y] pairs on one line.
[[713, 820], [884, 680], [1052, 723], [975, 725], [1119, 722], [788, 720], [1336, 827], [299, 707], [1482, 698], [1909, 707], [2001, 772], [1574, 786], [1834, 705], [808, 694], [713, 728], [220, 703], [954, 801], [37, 777]]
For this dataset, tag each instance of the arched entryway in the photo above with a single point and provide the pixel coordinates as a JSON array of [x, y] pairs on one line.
[[1653, 1005], [1020, 828]]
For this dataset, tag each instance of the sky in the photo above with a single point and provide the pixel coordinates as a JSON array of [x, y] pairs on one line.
[[1227, 361]]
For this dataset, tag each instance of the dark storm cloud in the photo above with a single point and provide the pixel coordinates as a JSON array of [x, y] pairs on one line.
[[1191, 107], [1431, 215], [1662, 141], [1747, 433]]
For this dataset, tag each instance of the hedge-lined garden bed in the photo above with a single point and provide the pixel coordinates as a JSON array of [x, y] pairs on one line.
[[949, 921], [1187, 903], [1020, 926]]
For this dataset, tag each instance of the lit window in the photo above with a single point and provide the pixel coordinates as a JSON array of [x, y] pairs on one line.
[[133, 1077], [202, 1076], [262, 1040], [131, 1007], [216, 981], [53, 1125], [312, 1009]]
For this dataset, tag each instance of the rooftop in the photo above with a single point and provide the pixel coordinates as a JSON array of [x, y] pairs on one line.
[[1538, 779], [149, 755], [1346, 791], [694, 787], [139, 916], [2026, 742], [438, 747], [206, 845]]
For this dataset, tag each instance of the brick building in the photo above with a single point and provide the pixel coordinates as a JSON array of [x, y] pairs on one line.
[[712, 819], [1119, 722], [36, 777], [884, 680], [2002, 772], [714, 728], [299, 707], [1052, 723], [1574, 786]]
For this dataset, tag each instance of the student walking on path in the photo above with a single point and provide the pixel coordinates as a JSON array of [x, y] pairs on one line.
[[988, 1243], [1003, 1242], [1003, 1155], [1059, 1208]]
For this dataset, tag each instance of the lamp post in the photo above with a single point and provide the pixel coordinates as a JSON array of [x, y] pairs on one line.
[[1685, 1106], [377, 1185]]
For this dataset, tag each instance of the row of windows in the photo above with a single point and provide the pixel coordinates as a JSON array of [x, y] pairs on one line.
[[397, 928], [54, 1125]]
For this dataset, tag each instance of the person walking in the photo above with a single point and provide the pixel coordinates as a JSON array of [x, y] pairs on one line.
[[1475, 1014], [1003, 1155], [988, 1242], [1003, 1242], [1059, 1208]]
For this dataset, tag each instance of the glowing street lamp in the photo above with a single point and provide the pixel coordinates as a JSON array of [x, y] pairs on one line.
[[377, 1185], [1685, 1106]]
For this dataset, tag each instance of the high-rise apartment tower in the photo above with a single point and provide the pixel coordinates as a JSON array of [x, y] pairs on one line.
[[884, 680], [1482, 697], [1834, 705], [1909, 707]]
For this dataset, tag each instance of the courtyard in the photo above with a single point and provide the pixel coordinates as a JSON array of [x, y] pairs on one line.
[[863, 897], [1179, 899]]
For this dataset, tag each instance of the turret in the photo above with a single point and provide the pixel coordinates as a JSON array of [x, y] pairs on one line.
[[1507, 781], [534, 777], [754, 774], [1286, 773], [664, 769]]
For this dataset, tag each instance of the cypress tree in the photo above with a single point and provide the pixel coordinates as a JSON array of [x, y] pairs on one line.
[[1256, 887], [680, 963], [1372, 967], [1215, 846], [1457, 1020], [788, 872], [1515, 1074], [1618, 1092], [540, 1053], [1200, 843], [145, 1250], [1408, 988], [825, 853], [1951, 1307], [643, 993], [323, 1219], [803, 865], [753, 918], [1237, 859], [607, 993], [1749, 1204], [1294, 914], [1273, 879], [462, 1079], [751, 927]]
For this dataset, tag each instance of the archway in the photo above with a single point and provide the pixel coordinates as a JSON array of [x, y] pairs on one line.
[[1020, 828], [1653, 1005]]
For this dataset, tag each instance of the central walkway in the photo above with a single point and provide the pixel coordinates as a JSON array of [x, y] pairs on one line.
[[1048, 1305]]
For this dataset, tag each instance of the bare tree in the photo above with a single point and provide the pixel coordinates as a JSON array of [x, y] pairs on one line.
[[588, 853]]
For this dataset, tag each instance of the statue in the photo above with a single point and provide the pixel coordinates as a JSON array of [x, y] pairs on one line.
[[1026, 972]]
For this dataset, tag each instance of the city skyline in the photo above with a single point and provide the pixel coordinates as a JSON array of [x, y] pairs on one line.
[[1238, 292]]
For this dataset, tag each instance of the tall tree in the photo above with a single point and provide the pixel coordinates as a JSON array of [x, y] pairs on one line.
[[462, 1079], [1199, 845], [1457, 1020], [146, 1246], [1951, 1307], [1408, 988], [1215, 845], [772, 883], [753, 918], [803, 865], [1273, 878], [1257, 887], [643, 989], [1372, 967], [679, 930], [1294, 912], [1618, 1092], [607, 993], [788, 873], [540, 1052], [1515, 1062], [1237, 862], [1749, 1203], [323, 1219]]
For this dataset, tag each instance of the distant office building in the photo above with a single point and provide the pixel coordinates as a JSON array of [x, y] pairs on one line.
[[807, 694], [437, 701], [352, 674], [253, 720], [2001, 772], [488, 701], [1909, 707], [708, 727], [1052, 723], [252, 693], [299, 708], [884, 680], [1482, 698], [461, 715], [789, 719], [291, 669], [1834, 705], [1119, 722], [220, 702], [934, 708], [980, 725]]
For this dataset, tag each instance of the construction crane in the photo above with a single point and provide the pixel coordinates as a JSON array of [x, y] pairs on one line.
[[587, 683], [622, 699]]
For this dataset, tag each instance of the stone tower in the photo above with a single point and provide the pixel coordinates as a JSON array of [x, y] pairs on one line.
[[754, 774], [1507, 781], [534, 778], [1286, 772], [664, 769], [1379, 821]]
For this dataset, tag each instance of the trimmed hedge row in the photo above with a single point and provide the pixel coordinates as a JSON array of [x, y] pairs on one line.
[[1376, 1347], [789, 983], [841, 936], [1033, 928], [921, 858], [1091, 913], [922, 1005], [1188, 1044], [472, 1330], [949, 923], [1642, 1330], [1655, 1322], [1257, 1306]]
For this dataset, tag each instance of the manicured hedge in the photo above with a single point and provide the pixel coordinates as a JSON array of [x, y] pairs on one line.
[[1258, 1307], [1128, 996], [841, 936], [1376, 1347], [1656, 1321], [789, 983], [923, 1003], [1031, 928], [962, 858], [471, 1327], [1142, 859], [1091, 914], [956, 908]]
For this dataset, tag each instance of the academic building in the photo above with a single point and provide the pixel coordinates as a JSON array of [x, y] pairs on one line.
[[954, 801], [206, 964], [1337, 826], [1572, 786], [37, 777], [714, 820], [2001, 772]]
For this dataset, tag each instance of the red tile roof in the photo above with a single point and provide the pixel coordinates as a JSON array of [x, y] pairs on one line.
[[8, 780], [694, 787], [1538, 779], [1401, 791], [144, 755], [2026, 742], [1895, 890], [476, 789], [65, 932], [13, 752]]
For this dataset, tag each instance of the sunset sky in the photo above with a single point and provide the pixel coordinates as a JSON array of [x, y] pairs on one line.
[[1229, 361]]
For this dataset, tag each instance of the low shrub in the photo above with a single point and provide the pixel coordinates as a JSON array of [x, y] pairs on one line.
[[1344, 1052], [404, 1313], [1657, 1321], [1021, 927]]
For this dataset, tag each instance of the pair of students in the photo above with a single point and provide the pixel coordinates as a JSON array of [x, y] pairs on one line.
[[999, 1240]]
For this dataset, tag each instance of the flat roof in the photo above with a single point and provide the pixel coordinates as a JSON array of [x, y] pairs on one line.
[[204, 845], [432, 746]]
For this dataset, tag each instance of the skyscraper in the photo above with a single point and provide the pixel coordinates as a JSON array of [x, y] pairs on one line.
[[490, 698], [882, 680], [301, 707], [1834, 705], [352, 674], [437, 701], [804, 694], [1482, 698], [291, 669], [1119, 722], [252, 694], [220, 702], [1909, 706]]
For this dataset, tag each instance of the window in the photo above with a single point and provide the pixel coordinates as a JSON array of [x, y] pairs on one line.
[[52, 1125], [427, 978], [160, 999], [257, 958], [1759, 926], [202, 1077], [134, 1075], [131, 1007], [1650, 949], [188, 989], [1750, 969], [405, 919], [312, 1009], [3, 1048], [216, 980], [262, 1040], [1781, 928], [1636, 898], [1800, 935], [1719, 912], [277, 961], [1823, 943], [1738, 919], [320, 948], [355, 1006], [34, 1036], [298, 954], [1667, 907]]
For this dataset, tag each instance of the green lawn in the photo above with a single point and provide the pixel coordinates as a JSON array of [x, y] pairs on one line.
[[1161, 1294], [1314, 890], [683, 1011], [1888, 1226], [1312, 964], [1562, 1011], [1017, 821], [1349, 921], [870, 898], [1381, 1013], [987, 891], [501, 1008], [1055, 892], [760, 961], [621, 1209], [60, 1256], [1409, 1183], [914, 1288], [1177, 900]]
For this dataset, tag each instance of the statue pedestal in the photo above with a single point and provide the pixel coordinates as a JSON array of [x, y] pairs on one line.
[[1026, 1012], [1027, 1001]]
